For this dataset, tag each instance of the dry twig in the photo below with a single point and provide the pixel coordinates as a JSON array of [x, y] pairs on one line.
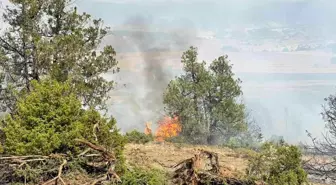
[[108, 157], [58, 177], [189, 171]]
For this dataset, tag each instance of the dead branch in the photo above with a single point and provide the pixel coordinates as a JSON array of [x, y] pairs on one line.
[[164, 165], [24, 160], [95, 129], [93, 146], [58, 177], [103, 161], [104, 177], [29, 160], [108, 157], [92, 155], [84, 152], [112, 174], [108, 176], [37, 163], [189, 171], [22, 157], [213, 157]]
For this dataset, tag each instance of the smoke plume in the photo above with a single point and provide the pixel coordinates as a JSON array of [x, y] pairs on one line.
[[156, 76], [144, 86]]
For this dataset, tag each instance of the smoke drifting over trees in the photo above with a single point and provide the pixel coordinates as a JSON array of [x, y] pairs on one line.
[[156, 77], [152, 75]]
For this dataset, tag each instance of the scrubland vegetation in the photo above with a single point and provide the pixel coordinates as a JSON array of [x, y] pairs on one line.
[[54, 130]]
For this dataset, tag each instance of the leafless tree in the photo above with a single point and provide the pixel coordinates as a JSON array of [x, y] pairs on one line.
[[322, 151]]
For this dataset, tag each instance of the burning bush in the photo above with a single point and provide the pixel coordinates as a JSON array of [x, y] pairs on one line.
[[168, 127], [148, 130]]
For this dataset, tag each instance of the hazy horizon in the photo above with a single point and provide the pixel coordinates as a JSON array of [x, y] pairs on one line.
[[283, 50]]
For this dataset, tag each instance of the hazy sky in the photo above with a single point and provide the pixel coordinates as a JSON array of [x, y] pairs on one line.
[[307, 76], [212, 13], [267, 95]]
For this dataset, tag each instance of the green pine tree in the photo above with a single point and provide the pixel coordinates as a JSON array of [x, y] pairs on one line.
[[206, 100], [51, 38]]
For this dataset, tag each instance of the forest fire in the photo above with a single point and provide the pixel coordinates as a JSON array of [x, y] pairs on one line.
[[168, 127], [148, 129]]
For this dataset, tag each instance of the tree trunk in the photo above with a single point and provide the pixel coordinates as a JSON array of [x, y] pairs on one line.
[[212, 138]]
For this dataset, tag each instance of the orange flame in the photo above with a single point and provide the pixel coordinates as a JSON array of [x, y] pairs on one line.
[[148, 130], [168, 127]]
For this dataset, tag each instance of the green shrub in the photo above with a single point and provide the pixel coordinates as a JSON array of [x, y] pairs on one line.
[[49, 118], [277, 164], [233, 143], [177, 139], [138, 137], [245, 152], [140, 176], [250, 139]]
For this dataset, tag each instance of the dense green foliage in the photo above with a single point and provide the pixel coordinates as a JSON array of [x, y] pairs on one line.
[[206, 100], [52, 38], [138, 137], [139, 176], [48, 118], [277, 164]]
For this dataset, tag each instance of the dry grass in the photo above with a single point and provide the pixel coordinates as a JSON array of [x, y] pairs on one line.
[[163, 156]]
